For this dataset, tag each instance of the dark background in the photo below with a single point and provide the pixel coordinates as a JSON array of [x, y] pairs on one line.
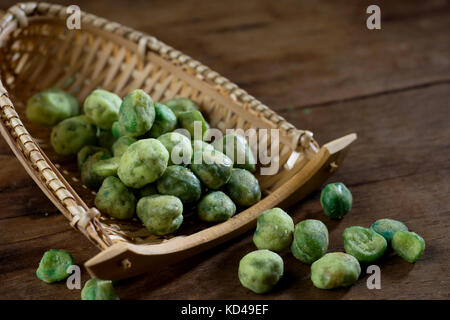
[[318, 65]]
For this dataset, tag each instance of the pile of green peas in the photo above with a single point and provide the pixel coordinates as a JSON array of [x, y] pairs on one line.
[[261, 270], [140, 156]]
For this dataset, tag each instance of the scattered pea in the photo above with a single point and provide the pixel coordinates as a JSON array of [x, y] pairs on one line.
[[213, 168], [115, 199], [179, 105], [106, 167], [96, 289], [180, 182], [53, 266], [408, 245], [165, 121], [136, 114], [121, 145], [335, 270], [178, 146], [336, 200], [243, 188], [89, 178], [310, 240], [188, 119], [274, 230], [103, 108], [161, 214], [237, 149], [387, 228], [216, 206], [364, 244]]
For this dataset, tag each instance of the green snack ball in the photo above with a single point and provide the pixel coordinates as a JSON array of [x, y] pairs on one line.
[[103, 108], [53, 266], [51, 106], [179, 105], [199, 145], [387, 228], [274, 230], [105, 138], [88, 151], [310, 240], [180, 182], [408, 245], [118, 130], [142, 163], [160, 214], [88, 176], [336, 200], [106, 167], [188, 120], [96, 289], [121, 145], [178, 146], [148, 190], [137, 113], [243, 188], [237, 149], [335, 270], [213, 168], [216, 207], [364, 244], [260, 270], [72, 134], [165, 121], [115, 199]]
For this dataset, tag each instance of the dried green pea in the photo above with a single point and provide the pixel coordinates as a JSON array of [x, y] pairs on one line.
[[213, 168], [106, 167], [102, 107], [310, 240], [118, 130], [243, 188], [202, 146], [160, 214], [53, 266], [260, 270], [179, 105], [408, 245], [165, 121], [335, 270], [178, 146], [188, 121], [88, 151], [121, 145], [115, 199], [216, 206], [237, 149], [387, 228], [96, 289], [336, 200], [88, 176], [180, 182], [136, 114], [274, 230], [364, 244]]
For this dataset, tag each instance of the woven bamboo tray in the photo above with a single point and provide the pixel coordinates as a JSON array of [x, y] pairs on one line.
[[37, 51]]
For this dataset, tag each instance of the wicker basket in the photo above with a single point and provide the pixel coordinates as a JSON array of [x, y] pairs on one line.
[[38, 51]]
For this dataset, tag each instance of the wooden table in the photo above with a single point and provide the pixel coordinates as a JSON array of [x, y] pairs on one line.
[[321, 68]]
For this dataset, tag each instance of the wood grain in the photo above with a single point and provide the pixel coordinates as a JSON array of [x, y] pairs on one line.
[[321, 69]]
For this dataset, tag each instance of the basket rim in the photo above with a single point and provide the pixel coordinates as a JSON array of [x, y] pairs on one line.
[[54, 185]]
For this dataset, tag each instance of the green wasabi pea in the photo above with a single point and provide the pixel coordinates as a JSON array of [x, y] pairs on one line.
[[408, 245], [387, 228], [179, 105], [53, 266], [336, 200], [136, 114], [103, 108], [180, 182], [199, 145], [178, 146], [115, 199], [148, 190], [260, 270], [121, 145], [335, 270], [118, 130], [88, 176], [142, 163], [237, 149], [310, 240], [364, 244], [88, 151], [106, 167], [165, 121], [188, 121], [243, 188], [105, 138], [216, 207], [72, 134], [160, 214], [51, 106], [213, 168], [274, 230], [96, 289]]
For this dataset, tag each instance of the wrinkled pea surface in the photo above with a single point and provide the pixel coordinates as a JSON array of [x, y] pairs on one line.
[[335, 270], [121, 145], [160, 214], [364, 244], [260, 270], [388, 227], [336, 200], [72, 134], [179, 105], [237, 149], [142, 163], [137, 113], [88, 151], [51, 106], [165, 121], [213, 168], [216, 206], [178, 146], [274, 230], [180, 182], [96, 289], [408, 245], [103, 108], [118, 130], [310, 240], [53, 265], [106, 167], [88, 176], [243, 188], [115, 199], [190, 120]]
